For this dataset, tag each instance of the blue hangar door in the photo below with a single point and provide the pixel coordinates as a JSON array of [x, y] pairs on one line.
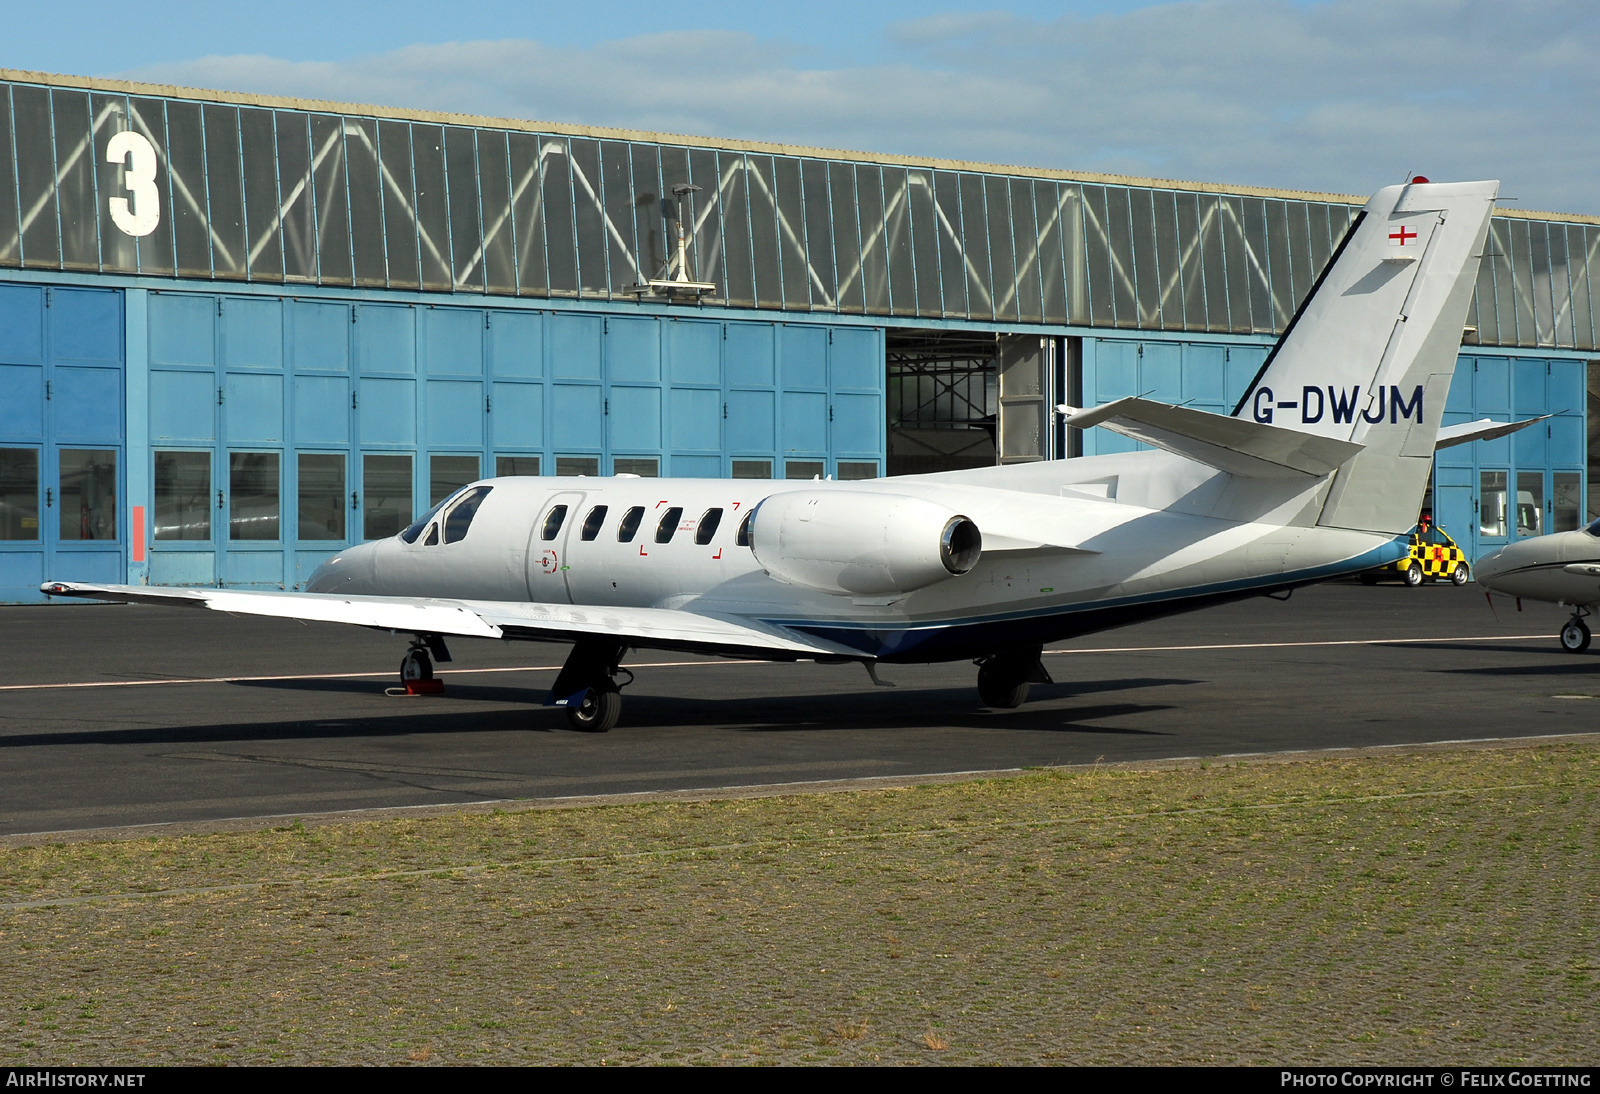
[[62, 474]]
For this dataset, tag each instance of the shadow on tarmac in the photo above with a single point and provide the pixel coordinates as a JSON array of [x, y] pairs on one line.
[[1523, 648], [1578, 667], [1050, 709]]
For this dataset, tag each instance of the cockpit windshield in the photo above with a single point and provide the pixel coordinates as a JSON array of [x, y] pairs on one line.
[[410, 534], [1594, 529], [460, 518]]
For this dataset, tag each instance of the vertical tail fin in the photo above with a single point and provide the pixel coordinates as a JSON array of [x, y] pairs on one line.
[[1370, 355]]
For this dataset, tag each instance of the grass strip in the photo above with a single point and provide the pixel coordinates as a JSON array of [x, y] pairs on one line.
[[1428, 907]]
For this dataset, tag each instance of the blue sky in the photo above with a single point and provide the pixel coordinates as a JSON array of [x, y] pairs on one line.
[[49, 37], [1340, 95]]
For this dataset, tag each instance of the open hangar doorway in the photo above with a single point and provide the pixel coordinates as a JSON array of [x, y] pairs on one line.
[[961, 398]]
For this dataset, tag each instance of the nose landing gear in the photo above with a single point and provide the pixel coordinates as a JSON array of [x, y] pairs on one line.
[[587, 687], [416, 667], [1575, 635]]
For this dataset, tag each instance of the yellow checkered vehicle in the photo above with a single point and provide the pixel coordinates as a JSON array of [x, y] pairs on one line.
[[1434, 557]]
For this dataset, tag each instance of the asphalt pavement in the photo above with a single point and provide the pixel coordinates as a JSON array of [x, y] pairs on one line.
[[114, 716]]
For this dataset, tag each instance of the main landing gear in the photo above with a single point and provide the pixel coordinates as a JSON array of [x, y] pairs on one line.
[[1575, 635], [587, 687], [1003, 678]]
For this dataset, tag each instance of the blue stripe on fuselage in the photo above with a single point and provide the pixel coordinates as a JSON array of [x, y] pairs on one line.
[[955, 639]]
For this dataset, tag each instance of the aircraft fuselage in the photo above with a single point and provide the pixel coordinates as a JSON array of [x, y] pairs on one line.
[[1127, 561]]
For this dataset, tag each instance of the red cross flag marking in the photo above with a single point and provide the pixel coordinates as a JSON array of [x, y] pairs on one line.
[[1398, 239]]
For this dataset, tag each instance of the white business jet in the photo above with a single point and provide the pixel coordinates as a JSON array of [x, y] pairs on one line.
[[1319, 472], [1563, 568]]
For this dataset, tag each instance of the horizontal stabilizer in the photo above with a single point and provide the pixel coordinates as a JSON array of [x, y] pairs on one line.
[[1235, 445], [1480, 430]]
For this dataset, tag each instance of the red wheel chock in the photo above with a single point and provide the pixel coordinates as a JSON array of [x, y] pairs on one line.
[[418, 687]]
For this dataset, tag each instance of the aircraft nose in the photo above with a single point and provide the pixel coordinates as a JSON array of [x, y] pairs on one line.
[[1492, 565], [349, 571]]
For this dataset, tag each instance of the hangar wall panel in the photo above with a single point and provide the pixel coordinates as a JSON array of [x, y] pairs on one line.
[[63, 472], [263, 410], [1533, 482]]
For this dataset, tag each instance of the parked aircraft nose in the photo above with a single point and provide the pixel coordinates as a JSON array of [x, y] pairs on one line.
[[1521, 568], [1492, 565], [349, 571]]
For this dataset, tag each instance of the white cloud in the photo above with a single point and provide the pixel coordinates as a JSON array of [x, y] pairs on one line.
[[1345, 95]]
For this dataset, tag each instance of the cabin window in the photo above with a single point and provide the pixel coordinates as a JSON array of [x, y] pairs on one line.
[[460, 518], [552, 522], [669, 524], [745, 526], [708, 526], [628, 526], [592, 523]]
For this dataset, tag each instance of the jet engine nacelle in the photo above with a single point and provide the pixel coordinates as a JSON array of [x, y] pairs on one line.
[[860, 542]]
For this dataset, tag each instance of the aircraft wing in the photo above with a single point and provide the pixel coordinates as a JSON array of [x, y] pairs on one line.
[[1481, 430], [655, 628], [1234, 445]]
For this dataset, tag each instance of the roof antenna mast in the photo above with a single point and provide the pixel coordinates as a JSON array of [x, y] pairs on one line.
[[677, 286]]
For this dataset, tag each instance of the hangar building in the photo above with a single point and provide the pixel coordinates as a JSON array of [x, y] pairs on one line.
[[238, 333]]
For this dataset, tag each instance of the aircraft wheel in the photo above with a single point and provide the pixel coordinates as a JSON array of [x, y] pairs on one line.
[[1414, 575], [599, 710], [1369, 579], [1461, 575], [1000, 689], [1575, 636], [416, 665]]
